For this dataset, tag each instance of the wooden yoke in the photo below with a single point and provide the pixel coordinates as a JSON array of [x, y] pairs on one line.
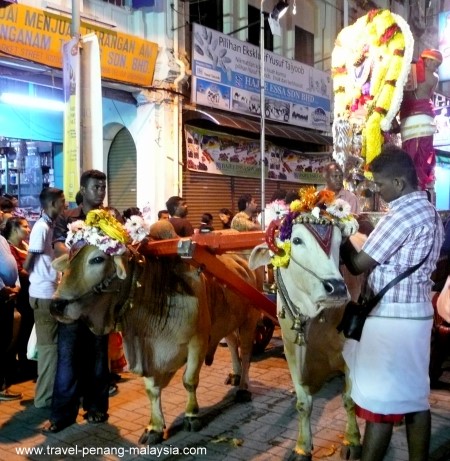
[[199, 250]]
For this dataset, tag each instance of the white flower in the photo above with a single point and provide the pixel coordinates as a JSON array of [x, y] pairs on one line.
[[340, 209], [76, 226], [137, 228], [278, 207], [316, 212], [349, 226]]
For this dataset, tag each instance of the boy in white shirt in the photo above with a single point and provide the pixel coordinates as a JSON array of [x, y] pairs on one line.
[[43, 283]]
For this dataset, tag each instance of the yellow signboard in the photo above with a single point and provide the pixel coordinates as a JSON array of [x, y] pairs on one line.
[[37, 35]]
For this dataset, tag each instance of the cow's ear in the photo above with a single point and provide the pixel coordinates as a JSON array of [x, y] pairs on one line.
[[121, 269], [60, 264], [260, 256]]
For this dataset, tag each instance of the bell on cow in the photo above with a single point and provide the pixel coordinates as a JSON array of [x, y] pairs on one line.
[[297, 325], [282, 314], [300, 339]]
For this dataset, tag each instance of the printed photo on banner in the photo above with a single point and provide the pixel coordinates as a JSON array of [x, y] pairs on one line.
[[218, 153]]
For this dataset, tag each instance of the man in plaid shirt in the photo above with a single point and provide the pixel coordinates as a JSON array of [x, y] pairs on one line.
[[389, 366]]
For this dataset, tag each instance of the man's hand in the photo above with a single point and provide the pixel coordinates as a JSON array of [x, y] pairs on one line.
[[8, 293]]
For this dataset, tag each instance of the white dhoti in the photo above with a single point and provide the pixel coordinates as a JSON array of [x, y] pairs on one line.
[[389, 366]]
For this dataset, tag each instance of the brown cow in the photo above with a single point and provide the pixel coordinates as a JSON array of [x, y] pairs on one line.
[[169, 314]]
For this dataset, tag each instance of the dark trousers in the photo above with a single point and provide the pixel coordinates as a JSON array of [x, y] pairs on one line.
[[6, 334], [82, 371], [26, 319]]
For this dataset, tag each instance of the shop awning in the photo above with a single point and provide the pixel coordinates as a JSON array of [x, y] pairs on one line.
[[253, 126]]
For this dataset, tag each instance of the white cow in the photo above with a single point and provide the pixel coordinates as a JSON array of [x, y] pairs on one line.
[[311, 296]]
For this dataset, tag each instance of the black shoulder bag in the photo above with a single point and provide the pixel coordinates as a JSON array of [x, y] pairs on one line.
[[355, 314]]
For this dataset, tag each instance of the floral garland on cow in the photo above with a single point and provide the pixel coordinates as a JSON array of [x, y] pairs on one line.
[[105, 232], [370, 63], [313, 207]]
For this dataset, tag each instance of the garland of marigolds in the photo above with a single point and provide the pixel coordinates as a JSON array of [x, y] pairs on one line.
[[370, 66]]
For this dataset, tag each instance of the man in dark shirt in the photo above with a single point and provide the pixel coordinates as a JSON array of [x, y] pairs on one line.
[[178, 211], [82, 369]]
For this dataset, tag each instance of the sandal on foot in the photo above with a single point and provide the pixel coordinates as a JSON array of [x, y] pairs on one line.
[[54, 427]]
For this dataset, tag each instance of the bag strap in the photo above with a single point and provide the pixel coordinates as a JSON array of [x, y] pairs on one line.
[[377, 298]]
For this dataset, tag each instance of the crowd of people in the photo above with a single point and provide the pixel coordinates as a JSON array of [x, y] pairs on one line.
[[67, 375]]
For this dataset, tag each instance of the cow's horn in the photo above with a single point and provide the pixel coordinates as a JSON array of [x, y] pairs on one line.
[[270, 236]]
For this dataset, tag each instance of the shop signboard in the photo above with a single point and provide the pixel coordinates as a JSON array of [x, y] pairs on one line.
[[37, 35], [226, 75], [441, 138], [218, 153], [444, 45]]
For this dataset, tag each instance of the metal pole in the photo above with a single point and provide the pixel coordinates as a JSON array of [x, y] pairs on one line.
[[263, 116], [345, 13], [75, 24], [75, 32]]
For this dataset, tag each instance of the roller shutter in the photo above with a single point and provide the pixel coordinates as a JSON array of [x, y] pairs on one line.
[[209, 193], [122, 184]]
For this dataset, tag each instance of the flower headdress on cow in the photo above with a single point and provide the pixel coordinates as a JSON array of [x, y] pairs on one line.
[[319, 211], [104, 231]]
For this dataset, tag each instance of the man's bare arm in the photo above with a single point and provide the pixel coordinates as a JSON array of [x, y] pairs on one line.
[[356, 262], [60, 249]]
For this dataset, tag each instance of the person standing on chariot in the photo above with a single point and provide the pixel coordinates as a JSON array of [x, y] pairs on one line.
[[417, 124]]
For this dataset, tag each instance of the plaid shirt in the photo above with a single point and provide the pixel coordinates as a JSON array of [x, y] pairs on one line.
[[403, 238]]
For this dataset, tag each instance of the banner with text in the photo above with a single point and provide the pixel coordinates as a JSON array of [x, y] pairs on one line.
[[444, 45], [36, 35], [218, 153], [226, 75], [441, 138], [71, 152]]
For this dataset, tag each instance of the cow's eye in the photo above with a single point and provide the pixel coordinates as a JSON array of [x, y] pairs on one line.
[[97, 260], [297, 241]]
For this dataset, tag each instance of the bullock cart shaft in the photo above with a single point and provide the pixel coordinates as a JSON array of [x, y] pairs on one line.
[[200, 250]]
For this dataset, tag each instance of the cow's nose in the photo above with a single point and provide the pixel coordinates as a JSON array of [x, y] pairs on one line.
[[335, 287], [57, 306]]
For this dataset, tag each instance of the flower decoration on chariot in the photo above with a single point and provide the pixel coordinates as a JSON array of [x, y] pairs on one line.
[[278, 208], [370, 64], [275, 210], [104, 231], [138, 228], [319, 211]]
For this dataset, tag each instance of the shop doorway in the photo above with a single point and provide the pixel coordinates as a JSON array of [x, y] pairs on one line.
[[122, 182]]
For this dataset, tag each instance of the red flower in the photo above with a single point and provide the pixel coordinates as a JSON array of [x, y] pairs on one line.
[[389, 33]]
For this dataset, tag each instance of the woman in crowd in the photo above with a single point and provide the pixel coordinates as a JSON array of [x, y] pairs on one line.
[[225, 217], [17, 232]]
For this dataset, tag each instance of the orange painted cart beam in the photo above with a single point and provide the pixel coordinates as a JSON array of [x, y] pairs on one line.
[[200, 251]]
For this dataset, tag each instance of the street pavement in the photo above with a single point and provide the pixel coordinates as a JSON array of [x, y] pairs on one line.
[[263, 429]]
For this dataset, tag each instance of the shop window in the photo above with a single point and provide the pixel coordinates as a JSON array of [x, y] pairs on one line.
[[254, 28], [26, 167], [122, 2], [304, 46], [208, 13]]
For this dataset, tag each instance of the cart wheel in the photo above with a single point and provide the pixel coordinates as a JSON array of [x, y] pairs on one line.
[[263, 334]]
